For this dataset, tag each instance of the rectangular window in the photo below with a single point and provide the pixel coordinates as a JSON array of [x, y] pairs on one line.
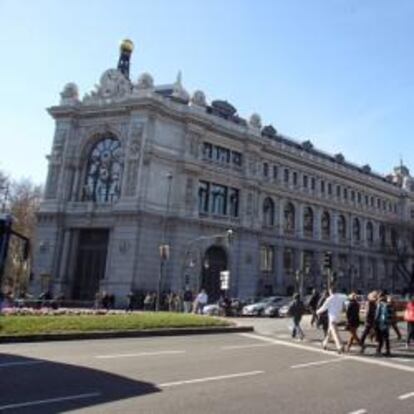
[[359, 197], [352, 195], [313, 183], [286, 175], [275, 172], [234, 202], [203, 196], [265, 169], [338, 191], [329, 188], [236, 158], [266, 258], [295, 178], [322, 187], [305, 181], [371, 201], [219, 199], [366, 200], [222, 155], [345, 194], [207, 150]]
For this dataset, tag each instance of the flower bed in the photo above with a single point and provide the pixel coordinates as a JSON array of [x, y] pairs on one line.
[[16, 311]]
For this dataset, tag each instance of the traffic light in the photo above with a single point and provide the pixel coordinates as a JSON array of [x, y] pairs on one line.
[[327, 260]]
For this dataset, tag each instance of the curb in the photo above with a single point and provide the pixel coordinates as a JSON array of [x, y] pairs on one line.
[[124, 334]]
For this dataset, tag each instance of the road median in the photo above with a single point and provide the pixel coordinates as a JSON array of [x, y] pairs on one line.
[[30, 328]]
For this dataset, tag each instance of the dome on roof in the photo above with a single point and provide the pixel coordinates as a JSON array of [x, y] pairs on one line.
[[145, 81], [255, 121], [199, 99]]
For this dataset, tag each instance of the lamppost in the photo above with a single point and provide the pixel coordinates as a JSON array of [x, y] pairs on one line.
[[164, 248]]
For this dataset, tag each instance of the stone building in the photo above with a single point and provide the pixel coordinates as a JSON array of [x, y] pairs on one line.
[[144, 182]]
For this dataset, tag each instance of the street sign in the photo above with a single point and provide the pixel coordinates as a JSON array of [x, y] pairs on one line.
[[225, 280]]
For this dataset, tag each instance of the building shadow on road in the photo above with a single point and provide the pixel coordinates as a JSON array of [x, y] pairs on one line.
[[29, 385]]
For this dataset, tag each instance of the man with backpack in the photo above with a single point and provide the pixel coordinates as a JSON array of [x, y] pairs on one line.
[[296, 310]]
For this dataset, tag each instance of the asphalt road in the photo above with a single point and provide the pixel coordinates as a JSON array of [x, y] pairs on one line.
[[264, 372]]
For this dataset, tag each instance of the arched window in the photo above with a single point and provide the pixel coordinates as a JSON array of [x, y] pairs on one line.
[[289, 218], [394, 238], [370, 233], [326, 225], [356, 230], [308, 222], [341, 227], [382, 235], [104, 172], [268, 212]]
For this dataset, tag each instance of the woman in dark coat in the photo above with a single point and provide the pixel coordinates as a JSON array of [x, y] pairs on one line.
[[352, 316]]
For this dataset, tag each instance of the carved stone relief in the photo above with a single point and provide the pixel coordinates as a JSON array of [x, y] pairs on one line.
[[135, 140], [132, 176], [189, 194]]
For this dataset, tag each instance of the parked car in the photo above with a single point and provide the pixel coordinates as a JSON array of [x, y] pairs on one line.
[[273, 309], [283, 311], [212, 309], [258, 308]]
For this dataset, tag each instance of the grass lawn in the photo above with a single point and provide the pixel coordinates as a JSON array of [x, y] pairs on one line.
[[28, 325]]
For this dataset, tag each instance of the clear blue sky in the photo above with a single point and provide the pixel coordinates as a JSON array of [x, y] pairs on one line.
[[338, 72]]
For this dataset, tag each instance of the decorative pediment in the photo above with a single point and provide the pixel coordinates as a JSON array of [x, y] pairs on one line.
[[113, 85]]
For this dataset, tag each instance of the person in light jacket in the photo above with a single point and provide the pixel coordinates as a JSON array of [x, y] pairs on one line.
[[334, 305], [409, 318]]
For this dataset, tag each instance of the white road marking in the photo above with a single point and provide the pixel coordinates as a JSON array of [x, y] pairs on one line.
[[311, 364], [17, 363], [225, 348], [139, 354], [284, 336], [49, 401], [402, 359], [372, 360], [361, 411], [406, 396], [207, 379]]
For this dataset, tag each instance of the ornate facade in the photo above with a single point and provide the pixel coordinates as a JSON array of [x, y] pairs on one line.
[[135, 166]]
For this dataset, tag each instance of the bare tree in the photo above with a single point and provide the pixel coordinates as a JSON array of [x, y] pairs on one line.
[[24, 199], [402, 246]]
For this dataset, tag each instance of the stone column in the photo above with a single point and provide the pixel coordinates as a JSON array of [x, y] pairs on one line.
[[74, 191], [363, 223], [334, 226], [317, 227], [298, 220], [281, 221]]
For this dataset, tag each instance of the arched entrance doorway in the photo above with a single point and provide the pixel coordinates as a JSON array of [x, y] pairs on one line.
[[215, 261], [90, 263]]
